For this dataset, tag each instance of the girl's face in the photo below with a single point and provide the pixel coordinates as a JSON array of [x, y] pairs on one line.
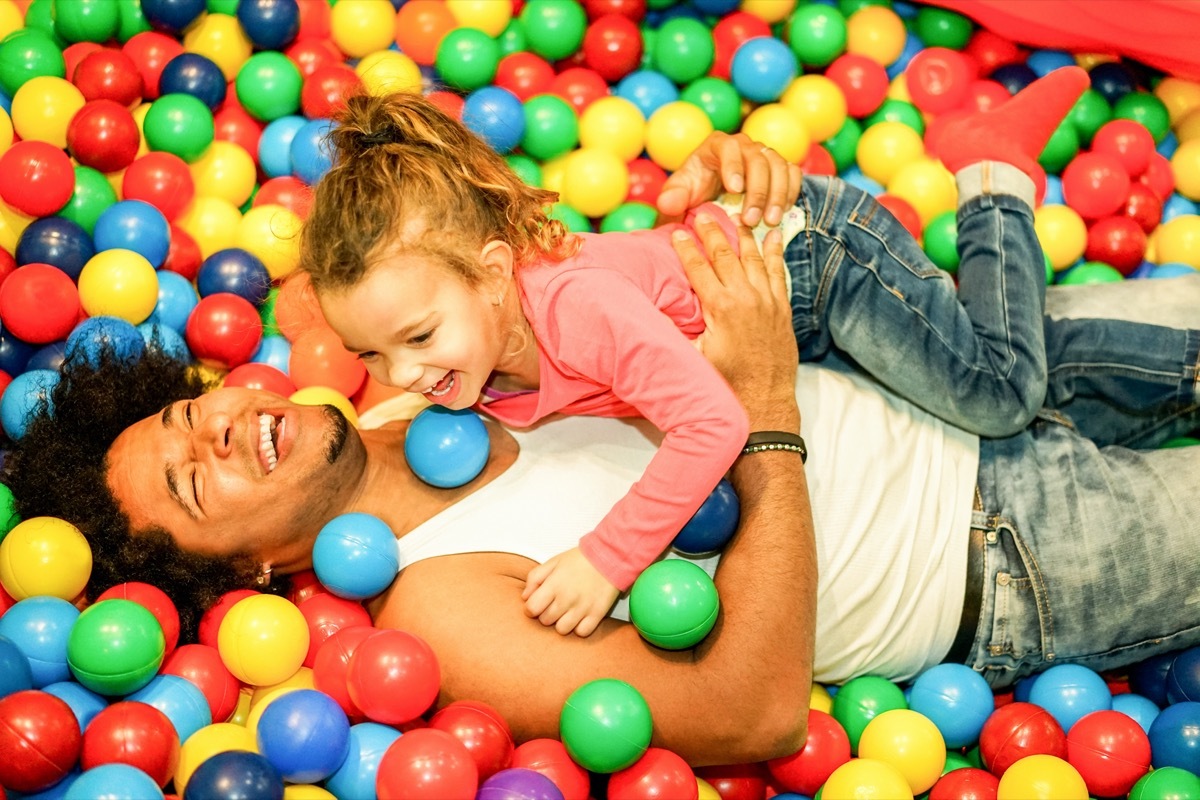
[[421, 328]]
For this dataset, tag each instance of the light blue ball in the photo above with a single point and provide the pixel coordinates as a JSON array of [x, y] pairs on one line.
[[1043, 62], [40, 627], [356, 776], [956, 699], [15, 674], [497, 116], [762, 68], [648, 90], [447, 448], [166, 340], [99, 334], [113, 782], [28, 394], [1069, 692], [311, 152], [85, 704], [177, 297], [355, 556], [274, 351], [275, 145], [305, 735], [183, 703], [134, 225], [1140, 709]]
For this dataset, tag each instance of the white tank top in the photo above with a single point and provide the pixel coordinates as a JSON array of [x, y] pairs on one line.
[[891, 487]]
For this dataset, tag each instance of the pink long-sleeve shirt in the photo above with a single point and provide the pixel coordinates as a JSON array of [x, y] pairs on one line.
[[615, 325]]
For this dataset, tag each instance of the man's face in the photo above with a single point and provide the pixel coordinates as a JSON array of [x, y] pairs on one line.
[[237, 471]]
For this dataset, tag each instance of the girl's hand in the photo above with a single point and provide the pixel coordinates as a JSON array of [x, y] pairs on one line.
[[733, 163], [568, 593]]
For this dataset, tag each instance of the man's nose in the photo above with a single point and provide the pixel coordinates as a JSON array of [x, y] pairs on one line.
[[215, 433]]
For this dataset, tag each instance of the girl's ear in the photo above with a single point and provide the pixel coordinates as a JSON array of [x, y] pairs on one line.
[[497, 259]]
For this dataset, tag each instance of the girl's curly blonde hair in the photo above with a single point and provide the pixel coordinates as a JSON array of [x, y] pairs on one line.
[[409, 179]]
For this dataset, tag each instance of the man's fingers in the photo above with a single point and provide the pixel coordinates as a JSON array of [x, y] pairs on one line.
[[775, 266], [699, 271], [721, 255], [733, 170]]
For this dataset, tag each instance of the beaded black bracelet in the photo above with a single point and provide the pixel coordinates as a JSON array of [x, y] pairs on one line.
[[763, 441]]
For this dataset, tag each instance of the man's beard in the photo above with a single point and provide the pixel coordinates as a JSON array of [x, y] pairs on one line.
[[339, 430]]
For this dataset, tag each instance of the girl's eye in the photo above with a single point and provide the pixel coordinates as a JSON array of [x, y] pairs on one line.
[[369, 355], [422, 338]]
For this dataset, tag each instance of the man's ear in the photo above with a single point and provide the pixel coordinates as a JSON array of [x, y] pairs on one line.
[[498, 261]]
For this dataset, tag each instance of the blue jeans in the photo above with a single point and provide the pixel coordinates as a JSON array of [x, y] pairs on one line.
[[861, 285], [1091, 535]]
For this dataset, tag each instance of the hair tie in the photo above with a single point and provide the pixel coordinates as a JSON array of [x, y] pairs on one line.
[[383, 136]]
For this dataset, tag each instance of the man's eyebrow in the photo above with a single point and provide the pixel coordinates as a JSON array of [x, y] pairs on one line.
[[173, 490], [166, 415]]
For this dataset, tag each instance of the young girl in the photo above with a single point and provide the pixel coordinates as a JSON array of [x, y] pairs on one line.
[[442, 270]]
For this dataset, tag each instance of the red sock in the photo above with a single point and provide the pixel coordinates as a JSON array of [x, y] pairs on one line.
[[1017, 131]]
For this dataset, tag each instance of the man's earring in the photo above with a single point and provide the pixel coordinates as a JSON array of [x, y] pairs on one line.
[[263, 578], [499, 300]]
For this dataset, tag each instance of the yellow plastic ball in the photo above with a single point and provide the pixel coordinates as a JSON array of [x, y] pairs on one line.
[[220, 39], [1179, 240], [306, 791], [226, 171], [886, 147], [706, 791], [820, 104], [908, 741], [242, 711], [595, 182], [819, 699], [554, 173], [139, 116], [927, 186], [1179, 95], [6, 131], [11, 18], [12, 224], [489, 16], [272, 233], [613, 124], [263, 639], [387, 72], [1089, 60], [1188, 128], [212, 222], [361, 27], [1041, 777], [876, 32], [45, 556], [780, 128], [1062, 233], [43, 107], [325, 396], [769, 11], [898, 89], [674, 131], [866, 779], [1185, 163], [220, 737], [118, 283]]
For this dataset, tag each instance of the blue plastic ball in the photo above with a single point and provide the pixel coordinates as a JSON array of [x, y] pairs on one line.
[[1021, 690], [177, 297], [39, 627], [113, 782], [1043, 62], [713, 524], [717, 8], [1169, 144], [1054, 191], [356, 776], [112, 335], [355, 556], [1140, 709], [172, 16], [762, 68], [15, 674], [85, 704], [275, 145], [28, 394], [1178, 205], [648, 90], [1113, 80], [311, 152], [275, 351], [1149, 678], [912, 46], [57, 241], [48, 356], [134, 225], [235, 271], [1171, 269], [235, 775], [1183, 676], [1175, 737], [1013, 77], [497, 116], [159, 338], [1069, 692], [183, 703], [446, 448], [956, 699], [14, 353], [305, 735], [270, 24], [194, 74]]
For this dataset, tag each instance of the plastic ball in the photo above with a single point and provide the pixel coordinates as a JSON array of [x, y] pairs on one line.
[[595, 182], [263, 640], [713, 524], [85, 704], [44, 556], [674, 131], [615, 125], [264, 377], [551, 127], [684, 50], [1095, 184], [1018, 730], [1041, 776], [524, 74], [762, 68], [39, 741], [39, 303], [179, 124], [235, 774], [201, 665], [39, 627], [886, 147], [132, 226], [42, 109], [647, 90], [135, 734], [1175, 737], [1069, 691], [1166, 782], [497, 116], [102, 337], [268, 86], [876, 32], [612, 46], [161, 179], [223, 330], [865, 777], [420, 26], [207, 742], [481, 730], [819, 103], [1110, 751], [826, 748], [779, 127], [115, 647], [326, 614], [938, 79], [310, 151], [36, 178], [525, 784], [368, 741], [467, 58], [605, 725], [554, 29], [1178, 241], [1117, 241], [270, 24], [427, 764], [446, 448], [927, 186], [195, 75], [234, 271], [1141, 710], [818, 34], [909, 742], [25, 54], [550, 758], [863, 83], [862, 699], [956, 699], [318, 358], [393, 676], [331, 662], [305, 735], [103, 135], [355, 556], [673, 604]]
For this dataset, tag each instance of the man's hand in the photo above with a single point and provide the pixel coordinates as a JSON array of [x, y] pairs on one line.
[[733, 163], [568, 593]]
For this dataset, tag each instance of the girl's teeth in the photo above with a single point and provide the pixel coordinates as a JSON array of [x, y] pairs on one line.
[[441, 393]]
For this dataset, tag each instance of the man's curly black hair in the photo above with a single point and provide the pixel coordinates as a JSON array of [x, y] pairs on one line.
[[58, 469]]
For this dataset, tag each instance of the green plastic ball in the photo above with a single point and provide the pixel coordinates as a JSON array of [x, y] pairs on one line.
[[92, 196], [817, 35], [630, 217], [115, 647], [40, 17], [898, 111], [467, 58], [268, 86], [1180, 441], [575, 221], [862, 699], [955, 760], [937, 27], [649, 42], [718, 99], [843, 145], [512, 39], [1163, 782], [673, 604], [526, 168], [684, 49], [1147, 110], [1090, 272], [553, 28], [1088, 114], [28, 53], [848, 7], [228, 7], [551, 127], [181, 124], [266, 313], [131, 20], [85, 20], [605, 725], [941, 241], [9, 518], [1049, 268], [975, 758], [1062, 146]]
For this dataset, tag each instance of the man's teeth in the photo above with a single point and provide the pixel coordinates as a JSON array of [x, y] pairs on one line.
[[266, 425], [442, 392]]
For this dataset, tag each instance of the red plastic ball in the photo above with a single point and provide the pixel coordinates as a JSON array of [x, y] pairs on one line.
[[288, 191], [646, 180], [8, 265], [325, 91], [450, 103], [1117, 241], [39, 304], [1095, 184], [612, 46], [634, 10], [137, 734], [967, 783], [304, 584], [863, 81], [550, 758], [393, 677], [903, 211], [818, 161], [326, 614], [420, 27], [161, 179], [36, 178], [658, 773], [1110, 751], [482, 731], [991, 50], [1159, 176], [109, 74], [984, 95], [1128, 141], [736, 781], [183, 254], [1143, 206], [210, 620], [263, 377], [580, 87], [1018, 730], [729, 34], [224, 330], [314, 21], [330, 665], [39, 740], [202, 665], [103, 135], [826, 749], [150, 51], [938, 79], [74, 54], [524, 74], [427, 764], [6, 599], [318, 358], [154, 600], [309, 55], [232, 123]]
